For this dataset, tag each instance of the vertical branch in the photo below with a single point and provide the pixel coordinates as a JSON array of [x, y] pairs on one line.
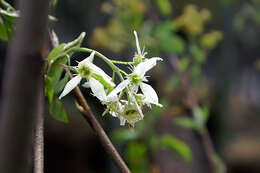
[[39, 136], [22, 87]]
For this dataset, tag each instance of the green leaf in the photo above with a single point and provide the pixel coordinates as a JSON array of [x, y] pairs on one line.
[[56, 52], [61, 84], [122, 135], [75, 43], [57, 111], [185, 122], [49, 91], [182, 149], [136, 156], [3, 30], [164, 7]]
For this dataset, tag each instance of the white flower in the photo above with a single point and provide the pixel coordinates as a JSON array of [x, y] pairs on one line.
[[136, 79], [89, 71]]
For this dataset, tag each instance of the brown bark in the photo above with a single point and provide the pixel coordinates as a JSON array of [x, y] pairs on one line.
[[22, 87]]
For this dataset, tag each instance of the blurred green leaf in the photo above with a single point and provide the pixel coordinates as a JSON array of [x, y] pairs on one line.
[[205, 114], [57, 111], [164, 7], [198, 117], [165, 29], [123, 134], [185, 122], [220, 165], [177, 146], [136, 156], [172, 44], [54, 2]]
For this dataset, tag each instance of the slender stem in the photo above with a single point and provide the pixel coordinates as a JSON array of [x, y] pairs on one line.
[[89, 116], [121, 62]]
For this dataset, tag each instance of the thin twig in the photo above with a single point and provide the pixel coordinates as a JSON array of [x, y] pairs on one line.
[[89, 116]]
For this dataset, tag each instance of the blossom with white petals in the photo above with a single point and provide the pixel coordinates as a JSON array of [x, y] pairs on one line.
[[87, 70], [136, 79]]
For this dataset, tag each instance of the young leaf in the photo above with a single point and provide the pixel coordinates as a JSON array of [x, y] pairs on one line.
[[60, 84], [57, 111], [75, 43], [49, 91], [56, 52], [182, 149]]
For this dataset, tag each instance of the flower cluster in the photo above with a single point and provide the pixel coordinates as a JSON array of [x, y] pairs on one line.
[[124, 100]]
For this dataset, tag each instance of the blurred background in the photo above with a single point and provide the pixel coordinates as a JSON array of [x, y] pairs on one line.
[[208, 83]]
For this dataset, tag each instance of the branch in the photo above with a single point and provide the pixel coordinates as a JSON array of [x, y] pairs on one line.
[[93, 122], [21, 87], [89, 116], [39, 137]]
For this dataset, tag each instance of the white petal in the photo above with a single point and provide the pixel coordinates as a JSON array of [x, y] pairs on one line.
[[122, 121], [98, 89], [145, 66], [120, 87], [101, 73], [150, 94], [70, 85], [87, 60], [137, 43], [134, 89], [86, 85]]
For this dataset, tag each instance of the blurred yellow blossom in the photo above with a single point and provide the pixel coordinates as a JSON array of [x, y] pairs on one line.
[[110, 38], [210, 40], [192, 20]]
